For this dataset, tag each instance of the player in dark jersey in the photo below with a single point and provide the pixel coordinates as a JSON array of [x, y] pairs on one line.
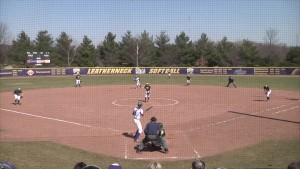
[[267, 91], [18, 94], [231, 81], [188, 80], [147, 88], [78, 80]]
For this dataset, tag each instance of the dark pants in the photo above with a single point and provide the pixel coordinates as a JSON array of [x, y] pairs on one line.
[[157, 138], [230, 83]]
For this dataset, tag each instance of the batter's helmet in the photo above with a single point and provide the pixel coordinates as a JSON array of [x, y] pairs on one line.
[[140, 104]]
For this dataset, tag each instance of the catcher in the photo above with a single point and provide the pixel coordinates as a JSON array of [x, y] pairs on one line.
[[18, 94]]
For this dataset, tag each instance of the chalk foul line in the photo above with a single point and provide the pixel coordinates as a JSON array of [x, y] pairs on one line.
[[48, 118]]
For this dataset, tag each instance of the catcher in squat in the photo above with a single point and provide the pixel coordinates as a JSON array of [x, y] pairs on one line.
[[18, 95]]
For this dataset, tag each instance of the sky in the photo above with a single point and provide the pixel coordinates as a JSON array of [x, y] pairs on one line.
[[235, 19]]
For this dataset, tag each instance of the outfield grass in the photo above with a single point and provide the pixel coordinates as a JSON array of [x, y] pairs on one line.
[[283, 83], [48, 155]]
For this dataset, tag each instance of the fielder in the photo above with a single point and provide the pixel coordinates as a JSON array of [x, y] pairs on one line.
[[78, 80], [137, 113], [188, 80], [147, 92], [138, 82], [267, 91], [18, 95]]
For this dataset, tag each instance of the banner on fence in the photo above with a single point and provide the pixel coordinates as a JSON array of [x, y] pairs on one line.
[[152, 70]]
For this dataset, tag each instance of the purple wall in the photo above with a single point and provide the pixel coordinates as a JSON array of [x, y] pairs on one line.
[[155, 70]]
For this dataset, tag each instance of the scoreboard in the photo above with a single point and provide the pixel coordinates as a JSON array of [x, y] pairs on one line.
[[38, 58]]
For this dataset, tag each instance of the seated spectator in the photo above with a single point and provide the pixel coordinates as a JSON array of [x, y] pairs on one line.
[[294, 165], [82, 165], [79, 165], [154, 165], [198, 164], [114, 166], [91, 167], [7, 165]]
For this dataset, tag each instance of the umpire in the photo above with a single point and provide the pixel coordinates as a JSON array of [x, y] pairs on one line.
[[153, 133], [231, 81]]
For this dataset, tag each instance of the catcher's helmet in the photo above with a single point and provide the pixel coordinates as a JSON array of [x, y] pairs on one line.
[[140, 104]]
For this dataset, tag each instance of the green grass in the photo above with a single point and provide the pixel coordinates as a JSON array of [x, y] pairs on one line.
[[48, 155], [283, 83]]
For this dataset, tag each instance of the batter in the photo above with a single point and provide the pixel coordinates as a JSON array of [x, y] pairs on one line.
[[137, 113]]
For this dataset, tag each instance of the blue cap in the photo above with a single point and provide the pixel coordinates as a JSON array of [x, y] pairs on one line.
[[115, 166]]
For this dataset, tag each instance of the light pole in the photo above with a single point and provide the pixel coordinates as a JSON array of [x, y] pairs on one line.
[[137, 55]]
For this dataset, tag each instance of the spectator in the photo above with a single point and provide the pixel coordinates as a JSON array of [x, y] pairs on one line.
[[154, 165], [82, 165], [7, 165], [79, 165], [114, 166], [294, 165], [198, 164], [91, 167]]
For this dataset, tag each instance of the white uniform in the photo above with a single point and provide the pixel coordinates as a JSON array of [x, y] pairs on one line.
[[268, 93], [137, 113], [138, 82]]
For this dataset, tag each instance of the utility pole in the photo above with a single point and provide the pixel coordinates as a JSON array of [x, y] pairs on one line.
[[137, 55], [297, 38]]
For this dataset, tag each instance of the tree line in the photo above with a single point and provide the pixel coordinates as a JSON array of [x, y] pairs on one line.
[[146, 51]]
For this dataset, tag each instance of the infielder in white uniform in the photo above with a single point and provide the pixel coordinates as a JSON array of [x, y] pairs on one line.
[[138, 82], [268, 91], [137, 113]]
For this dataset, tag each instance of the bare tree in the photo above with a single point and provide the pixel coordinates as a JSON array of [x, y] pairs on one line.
[[271, 40], [4, 34]]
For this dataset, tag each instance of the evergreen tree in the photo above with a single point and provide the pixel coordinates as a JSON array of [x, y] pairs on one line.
[[293, 57], [86, 55], [223, 50], [161, 51], [19, 49], [65, 51], [184, 49], [249, 54], [128, 47], [108, 51], [206, 52]]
